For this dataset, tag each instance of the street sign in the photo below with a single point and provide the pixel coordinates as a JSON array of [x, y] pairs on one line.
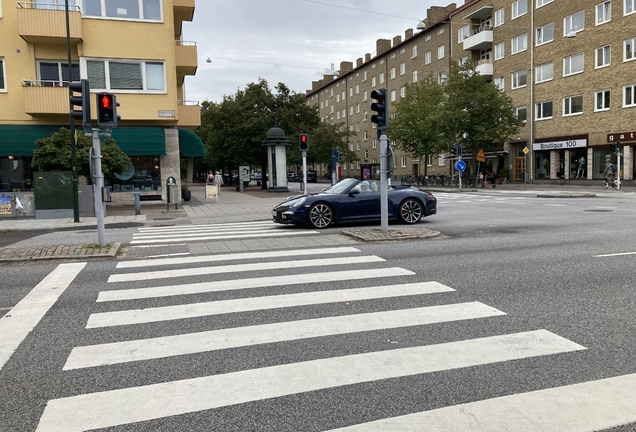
[[481, 157], [460, 165], [526, 150]]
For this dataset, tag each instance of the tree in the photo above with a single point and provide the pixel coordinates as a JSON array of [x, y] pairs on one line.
[[54, 153]]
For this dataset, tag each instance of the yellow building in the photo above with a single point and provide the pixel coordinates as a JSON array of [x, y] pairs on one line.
[[132, 48]]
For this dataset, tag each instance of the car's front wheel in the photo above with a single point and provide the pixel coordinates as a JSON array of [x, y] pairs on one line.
[[320, 215], [411, 211]]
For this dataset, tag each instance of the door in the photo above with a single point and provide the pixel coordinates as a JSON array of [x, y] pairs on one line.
[[518, 168]]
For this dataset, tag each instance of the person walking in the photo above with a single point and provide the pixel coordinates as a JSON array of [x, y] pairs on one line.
[[218, 179]]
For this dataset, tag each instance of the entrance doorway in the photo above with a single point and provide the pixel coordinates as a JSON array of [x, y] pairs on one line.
[[518, 168]]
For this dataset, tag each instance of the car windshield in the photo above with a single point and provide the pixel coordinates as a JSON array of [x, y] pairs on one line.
[[341, 186]]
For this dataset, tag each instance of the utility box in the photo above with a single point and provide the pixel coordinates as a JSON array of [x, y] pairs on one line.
[[53, 194]]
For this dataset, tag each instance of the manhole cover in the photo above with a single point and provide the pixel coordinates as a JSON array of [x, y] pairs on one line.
[[502, 231], [599, 210]]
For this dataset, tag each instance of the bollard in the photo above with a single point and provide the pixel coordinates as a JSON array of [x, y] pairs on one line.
[[137, 203]]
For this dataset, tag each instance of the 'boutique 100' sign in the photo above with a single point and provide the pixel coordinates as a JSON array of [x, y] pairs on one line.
[[560, 145]]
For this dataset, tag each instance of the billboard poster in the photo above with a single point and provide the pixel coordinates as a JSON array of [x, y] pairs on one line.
[[5, 204]]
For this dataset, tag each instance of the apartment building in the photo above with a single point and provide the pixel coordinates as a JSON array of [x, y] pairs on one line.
[[132, 48], [568, 67]]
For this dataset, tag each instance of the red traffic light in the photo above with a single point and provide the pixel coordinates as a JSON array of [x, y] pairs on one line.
[[106, 101], [304, 142], [303, 138]]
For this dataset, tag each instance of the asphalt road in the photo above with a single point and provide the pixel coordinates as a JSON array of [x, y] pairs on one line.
[[532, 264]]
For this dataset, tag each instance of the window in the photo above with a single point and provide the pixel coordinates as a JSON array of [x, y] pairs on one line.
[[393, 73], [337, 97], [603, 12], [372, 81], [350, 91], [543, 110], [602, 100], [2, 75], [125, 9], [351, 129], [338, 115], [519, 7], [415, 75], [543, 3], [520, 43], [365, 95], [374, 143], [427, 37], [499, 17], [357, 108], [364, 76], [603, 57], [350, 110], [630, 6], [414, 51], [357, 127], [499, 51], [572, 105], [403, 161], [126, 75], [440, 52], [544, 72], [629, 95], [628, 51], [442, 159], [440, 31], [402, 91], [574, 23], [441, 78], [545, 34], [382, 78], [499, 83], [365, 116], [331, 110], [519, 79], [429, 160], [403, 50], [427, 57], [573, 64], [343, 95], [402, 68], [393, 96], [357, 88], [326, 103], [521, 113], [56, 73], [462, 61], [463, 33], [331, 93]]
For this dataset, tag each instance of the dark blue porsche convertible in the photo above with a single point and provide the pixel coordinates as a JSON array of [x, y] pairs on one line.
[[352, 200]]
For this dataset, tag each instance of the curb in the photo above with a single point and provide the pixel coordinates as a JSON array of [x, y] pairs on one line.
[[567, 195], [111, 253], [374, 235]]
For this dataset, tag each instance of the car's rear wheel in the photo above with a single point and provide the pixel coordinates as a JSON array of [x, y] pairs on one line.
[[320, 215], [410, 211]]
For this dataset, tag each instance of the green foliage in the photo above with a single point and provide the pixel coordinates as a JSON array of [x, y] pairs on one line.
[[54, 153]]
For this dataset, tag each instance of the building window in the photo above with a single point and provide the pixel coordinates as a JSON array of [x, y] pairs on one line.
[[344, 112], [326, 103], [358, 145], [519, 7], [429, 160], [440, 52], [149, 10], [357, 127], [630, 6], [499, 51], [462, 61], [521, 112], [428, 57], [603, 57], [427, 37], [415, 75], [414, 51], [543, 3], [382, 78], [402, 91], [463, 33], [440, 31], [602, 100], [628, 51], [393, 73], [574, 23], [366, 135], [402, 68], [357, 88], [442, 159], [357, 108], [519, 43], [393, 96], [351, 110], [603, 12], [543, 110], [573, 64], [519, 79], [331, 93], [572, 105], [343, 95], [499, 17], [499, 83], [350, 91], [365, 116], [338, 115], [441, 78], [54, 74], [364, 76], [372, 81], [403, 161], [545, 34], [337, 97], [544, 72], [126, 75], [366, 154], [365, 95], [2, 75], [403, 50], [374, 143], [629, 95]]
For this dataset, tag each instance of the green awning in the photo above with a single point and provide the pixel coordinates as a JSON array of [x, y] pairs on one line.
[[19, 140], [190, 145], [140, 141]]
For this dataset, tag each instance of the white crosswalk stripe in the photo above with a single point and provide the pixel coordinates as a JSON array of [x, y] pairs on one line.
[[450, 197], [381, 283]]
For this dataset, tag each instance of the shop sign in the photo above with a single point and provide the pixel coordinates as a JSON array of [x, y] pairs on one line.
[[560, 145], [621, 136]]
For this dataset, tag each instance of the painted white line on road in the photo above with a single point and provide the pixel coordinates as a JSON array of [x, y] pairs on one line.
[[168, 313], [169, 255], [163, 245], [237, 268], [168, 346], [584, 407], [123, 406], [227, 237], [236, 256], [236, 284], [220, 226], [195, 233], [614, 254], [555, 205], [23, 317]]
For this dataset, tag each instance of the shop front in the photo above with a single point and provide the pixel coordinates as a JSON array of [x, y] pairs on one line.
[[563, 158]]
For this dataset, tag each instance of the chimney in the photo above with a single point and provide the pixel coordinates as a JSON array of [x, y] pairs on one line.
[[314, 85], [345, 66], [382, 45], [397, 40], [408, 33], [367, 57], [359, 62]]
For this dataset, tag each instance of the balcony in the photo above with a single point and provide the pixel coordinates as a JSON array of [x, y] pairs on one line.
[[45, 97], [189, 114], [41, 22], [484, 68], [183, 10], [186, 58], [480, 38]]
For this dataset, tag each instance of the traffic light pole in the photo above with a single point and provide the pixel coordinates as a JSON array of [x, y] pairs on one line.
[[305, 171], [98, 185], [618, 169], [72, 124], [384, 186]]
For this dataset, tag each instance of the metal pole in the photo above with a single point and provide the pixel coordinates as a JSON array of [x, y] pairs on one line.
[[305, 171], [618, 170], [525, 171], [98, 184], [72, 120], [384, 187]]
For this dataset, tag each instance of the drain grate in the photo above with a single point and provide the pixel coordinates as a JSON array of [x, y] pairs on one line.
[[502, 231]]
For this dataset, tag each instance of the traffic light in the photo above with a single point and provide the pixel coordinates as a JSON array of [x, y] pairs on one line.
[[304, 142], [83, 101], [613, 147], [381, 107], [455, 149], [618, 147], [460, 150], [107, 110]]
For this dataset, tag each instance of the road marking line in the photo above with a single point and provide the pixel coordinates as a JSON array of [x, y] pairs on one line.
[[589, 406], [228, 237], [151, 246], [167, 313], [24, 316], [228, 225], [238, 268], [235, 256], [168, 255], [120, 407], [236, 284], [195, 233], [614, 254]]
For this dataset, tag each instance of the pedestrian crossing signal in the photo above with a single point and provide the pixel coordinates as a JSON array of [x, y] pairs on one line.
[[107, 110], [304, 142]]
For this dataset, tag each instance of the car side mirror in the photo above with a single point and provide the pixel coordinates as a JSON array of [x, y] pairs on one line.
[[354, 192]]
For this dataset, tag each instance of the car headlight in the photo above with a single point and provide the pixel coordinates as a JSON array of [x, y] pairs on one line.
[[297, 202]]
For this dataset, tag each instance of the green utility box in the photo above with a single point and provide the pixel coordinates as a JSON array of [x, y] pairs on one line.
[[53, 194]]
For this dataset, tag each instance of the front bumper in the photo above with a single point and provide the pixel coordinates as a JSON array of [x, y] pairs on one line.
[[287, 216]]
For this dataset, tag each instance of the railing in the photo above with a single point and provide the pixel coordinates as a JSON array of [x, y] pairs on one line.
[[185, 43], [483, 62], [480, 29], [48, 6], [44, 83], [187, 103]]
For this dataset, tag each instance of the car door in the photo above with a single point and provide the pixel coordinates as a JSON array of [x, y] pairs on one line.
[[359, 204]]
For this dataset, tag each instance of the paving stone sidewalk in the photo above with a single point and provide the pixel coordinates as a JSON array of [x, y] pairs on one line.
[[79, 251]]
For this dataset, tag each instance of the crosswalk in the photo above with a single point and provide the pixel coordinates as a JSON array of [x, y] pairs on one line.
[[449, 197], [325, 277]]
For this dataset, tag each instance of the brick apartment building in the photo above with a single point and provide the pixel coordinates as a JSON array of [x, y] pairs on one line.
[[569, 67]]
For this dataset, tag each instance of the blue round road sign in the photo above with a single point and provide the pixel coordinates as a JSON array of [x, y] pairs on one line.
[[460, 165]]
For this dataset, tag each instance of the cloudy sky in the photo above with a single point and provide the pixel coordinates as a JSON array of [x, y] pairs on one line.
[[290, 41]]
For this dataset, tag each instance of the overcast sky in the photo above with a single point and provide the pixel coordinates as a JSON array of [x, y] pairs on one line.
[[289, 41]]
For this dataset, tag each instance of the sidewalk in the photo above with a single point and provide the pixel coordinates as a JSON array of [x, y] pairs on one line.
[[255, 204]]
